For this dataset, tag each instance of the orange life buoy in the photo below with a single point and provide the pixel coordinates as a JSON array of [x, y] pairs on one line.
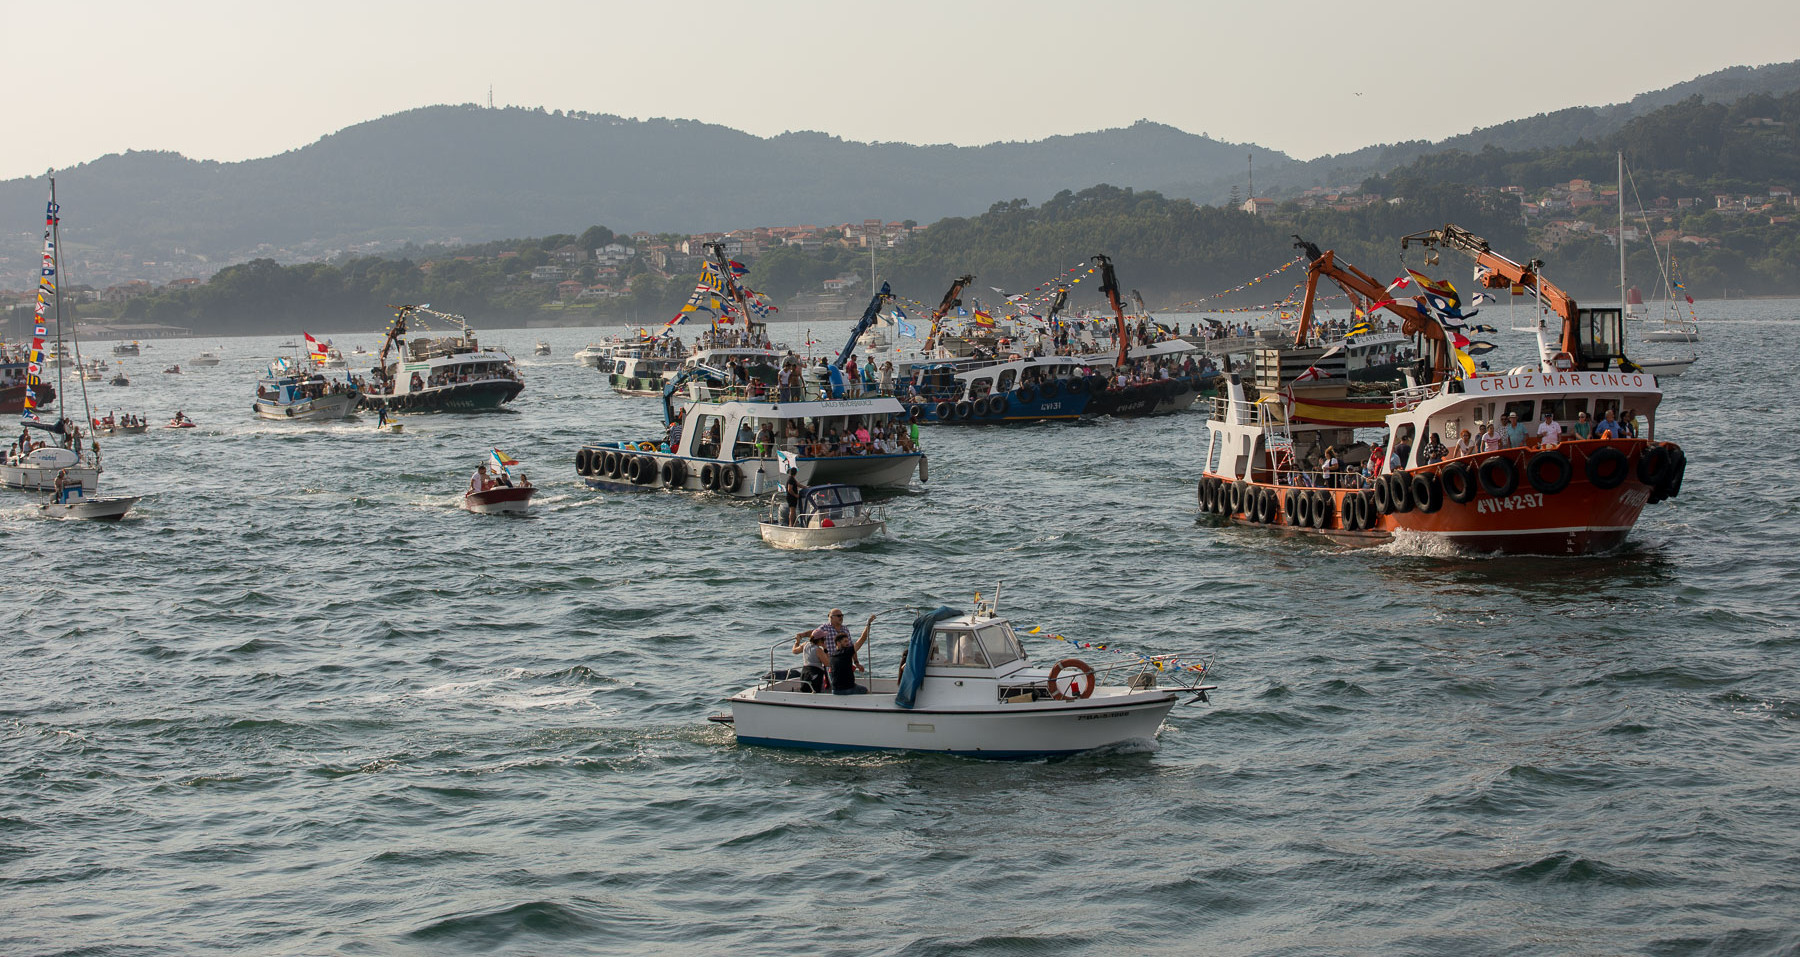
[[1081, 687]]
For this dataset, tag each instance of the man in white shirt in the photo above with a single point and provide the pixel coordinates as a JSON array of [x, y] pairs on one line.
[[1549, 431]]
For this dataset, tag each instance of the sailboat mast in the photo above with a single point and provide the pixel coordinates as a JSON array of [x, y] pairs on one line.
[[55, 224], [1623, 305]]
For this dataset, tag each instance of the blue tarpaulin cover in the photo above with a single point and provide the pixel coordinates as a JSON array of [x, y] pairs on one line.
[[917, 652]]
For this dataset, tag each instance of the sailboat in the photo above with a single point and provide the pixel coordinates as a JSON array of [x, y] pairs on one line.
[[1673, 328], [59, 465]]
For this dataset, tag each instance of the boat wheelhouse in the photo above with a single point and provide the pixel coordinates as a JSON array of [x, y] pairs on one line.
[[443, 374], [642, 368], [825, 515]]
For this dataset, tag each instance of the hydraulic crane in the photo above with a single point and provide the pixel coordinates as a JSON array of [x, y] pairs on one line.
[[1368, 292]]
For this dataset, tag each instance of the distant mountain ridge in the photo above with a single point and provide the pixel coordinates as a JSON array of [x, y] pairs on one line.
[[468, 174]]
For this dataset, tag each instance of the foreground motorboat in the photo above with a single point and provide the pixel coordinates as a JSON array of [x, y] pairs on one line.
[[827, 515], [966, 687], [494, 490], [74, 503]]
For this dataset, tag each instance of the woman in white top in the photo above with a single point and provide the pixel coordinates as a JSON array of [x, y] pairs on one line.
[[1465, 445], [1490, 439]]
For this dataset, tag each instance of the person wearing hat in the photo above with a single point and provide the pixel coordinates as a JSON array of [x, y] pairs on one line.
[[1515, 433], [834, 641], [1549, 431]]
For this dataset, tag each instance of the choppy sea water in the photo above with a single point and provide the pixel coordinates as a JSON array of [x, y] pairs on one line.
[[301, 703]]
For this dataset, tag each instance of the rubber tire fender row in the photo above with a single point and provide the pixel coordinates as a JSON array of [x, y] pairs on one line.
[[1553, 458], [1497, 476], [672, 473], [1606, 468], [1427, 492], [1459, 483]]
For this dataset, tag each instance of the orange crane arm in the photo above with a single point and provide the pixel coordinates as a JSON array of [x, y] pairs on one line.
[[1502, 273], [1356, 283]]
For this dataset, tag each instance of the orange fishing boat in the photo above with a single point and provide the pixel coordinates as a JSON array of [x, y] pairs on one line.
[[1291, 461]]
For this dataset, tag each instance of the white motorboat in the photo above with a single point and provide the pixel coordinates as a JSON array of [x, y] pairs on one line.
[[966, 687], [542, 348], [1667, 368], [826, 515], [74, 503], [593, 354], [205, 359]]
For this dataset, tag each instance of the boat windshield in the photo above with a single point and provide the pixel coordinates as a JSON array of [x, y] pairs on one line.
[[957, 648], [1000, 644]]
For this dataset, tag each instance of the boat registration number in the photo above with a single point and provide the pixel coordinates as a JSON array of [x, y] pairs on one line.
[[1511, 503]]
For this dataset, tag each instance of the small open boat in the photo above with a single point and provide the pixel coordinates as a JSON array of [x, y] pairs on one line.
[[180, 421], [824, 515], [74, 503], [172, 370], [494, 489], [966, 687]]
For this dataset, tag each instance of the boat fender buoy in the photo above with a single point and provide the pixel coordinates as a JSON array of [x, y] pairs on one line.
[[1354, 519], [915, 413], [964, 408], [1324, 506], [666, 473], [1302, 515], [1606, 468], [997, 406], [729, 477], [1049, 389], [1290, 505], [1498, 476], [1458, 481], [290, 411], [1371, 517], [1077, 386], [1026, 395], [1427, 492], [942, 411], [1266, 512], [1653, 468], [1234, 497], [1080, 687], [709, 476], [1383, 503], [1557, 462], [647, 470], [1678, 469], [924, 468], [581, 462]]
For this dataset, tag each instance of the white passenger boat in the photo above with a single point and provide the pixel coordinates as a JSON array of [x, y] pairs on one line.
[[38, 469], [205, 359], [643, 367], [741, 442], [285, 393], [966, 686], [447, 374], [592, 354], [826, 515], [542, 348]]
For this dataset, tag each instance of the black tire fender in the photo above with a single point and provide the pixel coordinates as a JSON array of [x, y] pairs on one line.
[[1606, 468], [1498, 476], [1549, 458]]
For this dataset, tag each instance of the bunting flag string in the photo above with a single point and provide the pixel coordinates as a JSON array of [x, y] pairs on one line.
[[39, 329], [1278, 270], [1159, 662]]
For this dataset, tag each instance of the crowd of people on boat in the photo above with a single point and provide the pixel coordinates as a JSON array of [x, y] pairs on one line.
[[313, 388], [486, 479], [111, 421], [830, 661], [801, 437]]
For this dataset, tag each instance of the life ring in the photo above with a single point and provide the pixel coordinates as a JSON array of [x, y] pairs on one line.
[[1498, 476], [1077, 386], [671, 473], [1654, 466], [1427, 492], [1552, 458], [914, 413], [709, 477], [1303, 511], [729, 478], [1383, 503], [646, 446], [942, 411], [1459, 482], [1606, 468], [964, 408], [1026, 395], [1081, 687]]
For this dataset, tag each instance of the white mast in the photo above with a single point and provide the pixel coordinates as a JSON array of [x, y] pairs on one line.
[[1623, 305]]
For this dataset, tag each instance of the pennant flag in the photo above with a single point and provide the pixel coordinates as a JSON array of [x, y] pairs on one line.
[[738, 268], [1362, 328], [1468, 364], [502, 461]]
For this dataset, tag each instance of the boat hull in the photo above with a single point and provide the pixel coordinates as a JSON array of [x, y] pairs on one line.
[[325, 407], [1671, 336], [500, 500], [1058, 402], [43, 479], [109, 508], [790, 536], [12, 397], [1580, 518], [756, 477], [873, 722], [485, 396]]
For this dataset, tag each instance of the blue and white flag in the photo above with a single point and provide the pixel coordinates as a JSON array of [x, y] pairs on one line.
[[786, 462], [905, 328]]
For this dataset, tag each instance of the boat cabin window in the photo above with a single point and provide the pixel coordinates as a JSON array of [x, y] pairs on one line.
[[1006, 381], [998, 641], [619, 367], [1565, 409], [1522, 409], [1215, 450], [980, 387], [709, 429], [956, 648]]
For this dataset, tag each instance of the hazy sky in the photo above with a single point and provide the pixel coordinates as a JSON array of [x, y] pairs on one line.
[[236, 80]]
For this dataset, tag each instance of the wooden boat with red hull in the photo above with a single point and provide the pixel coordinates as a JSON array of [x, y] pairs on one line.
[[499, 499], [1289, 460]]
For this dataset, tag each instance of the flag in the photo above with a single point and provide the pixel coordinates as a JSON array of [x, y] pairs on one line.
[[1479, 347], [1468, 364], [984, 319], [1312, 372], [907, 329], [1362, 328], [313, 347], [502, 460], [785, 461], [738, 268]]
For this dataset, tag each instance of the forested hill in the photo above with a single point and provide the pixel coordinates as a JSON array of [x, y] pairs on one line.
[[446, 173], [1543, 131]]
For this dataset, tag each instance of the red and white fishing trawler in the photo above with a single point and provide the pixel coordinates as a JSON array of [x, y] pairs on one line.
[[1267, 460]]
